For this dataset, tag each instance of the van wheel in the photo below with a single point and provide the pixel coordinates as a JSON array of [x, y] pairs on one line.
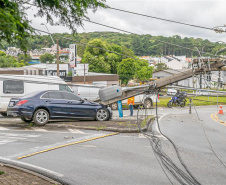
[[147, 103], [114, 106], [136, 106], [102, 115], [4, 114], [41, 117], [26, 120]]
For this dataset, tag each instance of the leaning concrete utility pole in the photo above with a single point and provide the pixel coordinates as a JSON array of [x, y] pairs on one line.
[[58, 74]]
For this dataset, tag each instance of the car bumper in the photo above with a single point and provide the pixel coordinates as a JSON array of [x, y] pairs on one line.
[[19, 112]]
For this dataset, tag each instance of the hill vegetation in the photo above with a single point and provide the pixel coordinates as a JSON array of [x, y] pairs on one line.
[[141, 45]]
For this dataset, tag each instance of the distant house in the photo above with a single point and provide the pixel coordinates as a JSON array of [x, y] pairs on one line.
[[174, 64], [171, 72]]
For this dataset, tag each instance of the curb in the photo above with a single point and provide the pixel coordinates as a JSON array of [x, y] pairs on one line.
[[35, 170], [113, 129]]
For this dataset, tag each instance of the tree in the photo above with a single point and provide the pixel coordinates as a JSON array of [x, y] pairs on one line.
[[160, 67], [142, 70], [126, 70], [14, 24], [9, 61], [47, 57], [2, 53], [25, 58]]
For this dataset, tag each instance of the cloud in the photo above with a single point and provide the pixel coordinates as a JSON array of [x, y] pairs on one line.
[[202, 13]]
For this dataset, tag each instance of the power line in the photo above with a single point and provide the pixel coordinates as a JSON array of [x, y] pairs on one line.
[[167, 20], [153, 39], [138, 34]]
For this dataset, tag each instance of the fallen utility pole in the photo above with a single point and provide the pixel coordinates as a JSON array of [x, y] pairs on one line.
[[216, 65]]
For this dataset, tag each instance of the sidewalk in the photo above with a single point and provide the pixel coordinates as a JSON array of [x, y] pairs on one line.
[[17, 176]]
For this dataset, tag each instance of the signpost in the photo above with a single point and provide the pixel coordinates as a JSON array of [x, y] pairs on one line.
[[73, 57]]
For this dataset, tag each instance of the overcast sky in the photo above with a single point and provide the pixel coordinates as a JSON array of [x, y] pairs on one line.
[[203, 13]]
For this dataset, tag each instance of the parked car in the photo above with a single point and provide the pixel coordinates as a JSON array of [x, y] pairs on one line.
[[42, 106], [12, 86]]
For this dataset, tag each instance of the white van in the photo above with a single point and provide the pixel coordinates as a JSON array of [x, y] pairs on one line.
[[91, 93], [12, 86]]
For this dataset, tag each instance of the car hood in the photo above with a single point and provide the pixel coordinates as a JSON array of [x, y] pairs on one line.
[[93, 103]]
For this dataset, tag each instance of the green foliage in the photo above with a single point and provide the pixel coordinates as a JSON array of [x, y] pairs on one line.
[[15, 27], [69, 73], [126, 70], [100, 59], [2, 172], [143, 71], [160, 67], [9, 61], [47, 57], [146, 44], [2, 53], [25, 58]]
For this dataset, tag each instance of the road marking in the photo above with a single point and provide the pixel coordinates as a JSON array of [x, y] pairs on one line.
[[9, 138], [39, 129], [76, 131], [2, 128], [214, 116], [68, 144]]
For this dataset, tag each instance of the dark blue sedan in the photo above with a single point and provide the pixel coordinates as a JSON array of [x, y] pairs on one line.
[[44, 105]]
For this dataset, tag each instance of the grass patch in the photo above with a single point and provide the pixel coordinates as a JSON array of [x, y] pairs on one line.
[[198, 101], [144, 122], [100, 128], [2, 172]]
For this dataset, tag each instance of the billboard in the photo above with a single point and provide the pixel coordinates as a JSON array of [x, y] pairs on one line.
[[72, 54]]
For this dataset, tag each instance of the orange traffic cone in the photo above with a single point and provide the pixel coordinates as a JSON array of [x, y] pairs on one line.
[[221, 110]]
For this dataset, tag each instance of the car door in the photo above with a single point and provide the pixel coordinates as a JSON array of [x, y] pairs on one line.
[[77, 108], [55, 102]]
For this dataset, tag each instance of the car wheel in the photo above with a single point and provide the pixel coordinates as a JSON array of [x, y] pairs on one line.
[[147, 104], [170, 104], [114, 106], [4, 114], [41, 117], [26, 120], [102, 115]]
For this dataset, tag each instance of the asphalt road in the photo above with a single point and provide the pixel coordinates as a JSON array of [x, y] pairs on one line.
[[125, 158]]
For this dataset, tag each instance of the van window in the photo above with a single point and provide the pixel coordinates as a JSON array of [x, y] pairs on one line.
[[13, 87], [64, 87]]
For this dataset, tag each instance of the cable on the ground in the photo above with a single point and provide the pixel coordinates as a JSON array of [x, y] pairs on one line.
[[166, 162]]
